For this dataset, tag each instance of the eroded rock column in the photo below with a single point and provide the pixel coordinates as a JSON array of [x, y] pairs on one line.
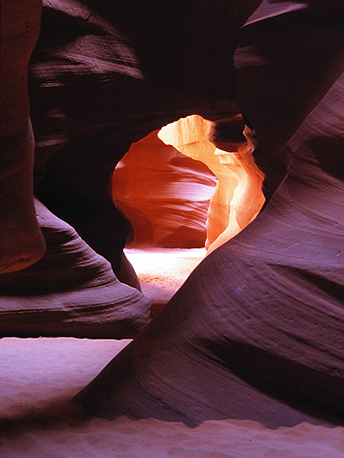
[[21, 241]]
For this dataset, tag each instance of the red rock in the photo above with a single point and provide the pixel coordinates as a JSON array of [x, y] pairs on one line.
[[256, 332], [164, 194], [237, 198], [21, 241]]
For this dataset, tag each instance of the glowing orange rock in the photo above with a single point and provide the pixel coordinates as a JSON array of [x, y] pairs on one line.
[[164, 194], [237, 198]]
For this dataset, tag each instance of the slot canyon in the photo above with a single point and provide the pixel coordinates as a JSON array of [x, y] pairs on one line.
[[172, 229]]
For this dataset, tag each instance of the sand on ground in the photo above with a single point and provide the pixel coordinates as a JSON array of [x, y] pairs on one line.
[[39, 376]]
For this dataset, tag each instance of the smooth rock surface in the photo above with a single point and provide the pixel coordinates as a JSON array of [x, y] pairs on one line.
[[238, 197], [164, 194], [99, 82], [256, 332], [71, 291], [38, 377], [21, 241], [95, 87]]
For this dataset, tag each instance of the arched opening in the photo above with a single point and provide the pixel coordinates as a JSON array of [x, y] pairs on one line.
[[184, 197]]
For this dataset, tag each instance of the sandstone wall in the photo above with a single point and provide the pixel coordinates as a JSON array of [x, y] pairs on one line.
[[238, 196], [164, 194]]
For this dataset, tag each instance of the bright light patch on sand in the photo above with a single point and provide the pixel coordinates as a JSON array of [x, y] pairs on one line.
[[156, 260], [162, 271]]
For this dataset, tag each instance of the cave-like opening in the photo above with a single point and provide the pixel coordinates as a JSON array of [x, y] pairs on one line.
[[184, 197]]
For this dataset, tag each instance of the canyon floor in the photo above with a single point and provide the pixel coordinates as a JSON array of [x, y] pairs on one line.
[[39, 376]]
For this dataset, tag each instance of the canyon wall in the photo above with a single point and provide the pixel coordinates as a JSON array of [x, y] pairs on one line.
[[164, 194], [256, 331]]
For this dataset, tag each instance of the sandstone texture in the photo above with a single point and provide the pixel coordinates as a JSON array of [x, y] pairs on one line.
[[256, 331], [164, 194], [226, 147], [71, 291], [204, 196], [106, 85], [21, 241]]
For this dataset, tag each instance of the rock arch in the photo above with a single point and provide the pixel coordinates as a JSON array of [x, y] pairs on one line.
[[256, 332]]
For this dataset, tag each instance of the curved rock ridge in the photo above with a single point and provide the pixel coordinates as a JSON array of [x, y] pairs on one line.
[[256, 332], [164, 194], [95, 90], [238, 197], [71, 291]]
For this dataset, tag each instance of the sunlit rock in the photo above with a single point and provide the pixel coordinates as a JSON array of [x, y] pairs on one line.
[[164, 194], [256, 331], [237, 197]]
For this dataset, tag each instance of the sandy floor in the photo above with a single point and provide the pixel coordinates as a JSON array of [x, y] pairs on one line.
[[39, 376], [163, 272]]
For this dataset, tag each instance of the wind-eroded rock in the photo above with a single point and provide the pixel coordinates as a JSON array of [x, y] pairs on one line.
[[71, 291], [164, 194], [256, 332], [21, 241], [95, 89], [238, 196]]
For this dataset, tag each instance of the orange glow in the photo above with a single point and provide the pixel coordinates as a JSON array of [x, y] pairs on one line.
[[238, 197], [202, 197]]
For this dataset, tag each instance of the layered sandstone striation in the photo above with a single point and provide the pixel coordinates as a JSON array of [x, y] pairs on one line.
[[188, 204], [92, 96], [256, 331], [71, 291], [164, 194], [238, 197]]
